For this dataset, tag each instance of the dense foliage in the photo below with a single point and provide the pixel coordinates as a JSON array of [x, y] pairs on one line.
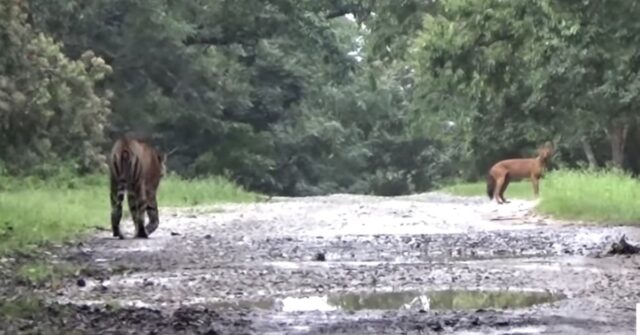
[[300, 97], [50, 107]]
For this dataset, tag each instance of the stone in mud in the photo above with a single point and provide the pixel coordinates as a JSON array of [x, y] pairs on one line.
[[319, 257], [435, 325], [623, 247]]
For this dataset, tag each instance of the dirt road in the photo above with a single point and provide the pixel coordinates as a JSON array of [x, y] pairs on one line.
[[347, 264]]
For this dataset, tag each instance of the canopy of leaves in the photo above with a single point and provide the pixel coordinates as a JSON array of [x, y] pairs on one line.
[[311, 97], [512, 75], [270, 93], [50, 107]]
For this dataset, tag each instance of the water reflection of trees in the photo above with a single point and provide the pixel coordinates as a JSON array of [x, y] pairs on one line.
[[446, 299], [378, 300], [478, 299]]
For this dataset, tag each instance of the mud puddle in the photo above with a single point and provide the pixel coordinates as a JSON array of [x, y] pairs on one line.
[[404, 300], [358, 265]]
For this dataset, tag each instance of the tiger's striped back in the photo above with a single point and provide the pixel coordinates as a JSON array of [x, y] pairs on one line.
[[135, 169]]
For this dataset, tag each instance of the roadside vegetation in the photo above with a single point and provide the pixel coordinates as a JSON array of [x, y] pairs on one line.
[[36, 211], [375, 97], [608, 196]]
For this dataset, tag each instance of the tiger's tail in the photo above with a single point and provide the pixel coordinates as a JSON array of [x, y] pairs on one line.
[[125, 164]]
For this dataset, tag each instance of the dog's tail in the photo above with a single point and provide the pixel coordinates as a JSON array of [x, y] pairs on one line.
[[491, 186]]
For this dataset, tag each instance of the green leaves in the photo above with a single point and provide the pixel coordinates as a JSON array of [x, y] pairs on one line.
[[293, 97], [50, 108], [515, 72]]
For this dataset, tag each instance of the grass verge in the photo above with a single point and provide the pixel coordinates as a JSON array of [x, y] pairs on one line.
[[36, 212], [37, 273], [599, 196]]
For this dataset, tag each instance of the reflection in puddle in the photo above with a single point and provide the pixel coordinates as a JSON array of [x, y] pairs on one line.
[[431, 300], [518, 330], [318, 303]]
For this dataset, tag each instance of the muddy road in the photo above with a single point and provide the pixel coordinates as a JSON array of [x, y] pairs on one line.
[[344, 264]]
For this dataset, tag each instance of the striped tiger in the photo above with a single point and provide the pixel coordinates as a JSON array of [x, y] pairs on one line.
[[135, 168]]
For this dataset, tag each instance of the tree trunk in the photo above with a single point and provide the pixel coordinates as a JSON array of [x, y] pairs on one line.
[[618, 130], [588, 151]]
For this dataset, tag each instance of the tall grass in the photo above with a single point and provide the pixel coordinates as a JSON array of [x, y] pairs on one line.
[[34, 211], [608, 196], [175, 191], [602, 196]]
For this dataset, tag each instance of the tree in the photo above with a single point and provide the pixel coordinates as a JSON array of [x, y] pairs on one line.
[[51, 107], [513, 74], [297, 97], [472, 63], [594, 56], [212, 78]]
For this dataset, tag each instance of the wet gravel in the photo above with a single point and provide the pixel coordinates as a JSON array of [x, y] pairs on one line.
[[205, 270]]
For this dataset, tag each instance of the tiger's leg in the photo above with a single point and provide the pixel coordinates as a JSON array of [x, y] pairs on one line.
[[117, 197], [137, 206], [152, 212]]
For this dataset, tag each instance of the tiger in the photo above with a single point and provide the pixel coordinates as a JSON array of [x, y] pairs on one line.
[[135, 168]]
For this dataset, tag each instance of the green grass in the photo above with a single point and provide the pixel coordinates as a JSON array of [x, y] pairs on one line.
[[22, 307], [35, 212], [37, 273], [178, 192], [599, 196]]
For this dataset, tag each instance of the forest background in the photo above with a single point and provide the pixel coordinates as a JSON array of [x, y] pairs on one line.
[[308, 97]]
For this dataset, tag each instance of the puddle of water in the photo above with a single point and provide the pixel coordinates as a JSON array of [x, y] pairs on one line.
[[431, 300], [518, 330], [317, 303]]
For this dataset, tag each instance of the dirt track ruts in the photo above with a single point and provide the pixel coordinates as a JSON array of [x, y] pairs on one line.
[[197, 271]]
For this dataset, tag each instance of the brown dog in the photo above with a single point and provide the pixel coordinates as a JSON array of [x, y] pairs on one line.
[[502, 172]]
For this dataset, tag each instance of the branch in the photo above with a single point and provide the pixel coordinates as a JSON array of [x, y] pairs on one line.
[[339, 12], [180, 147], [239, 37], [210, 40]]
